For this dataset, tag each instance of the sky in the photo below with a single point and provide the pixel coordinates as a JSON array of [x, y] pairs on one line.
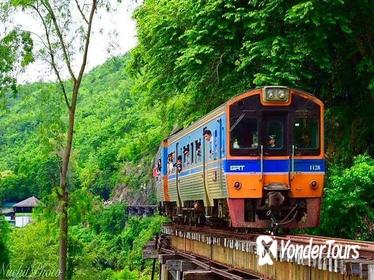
[[117, 22]]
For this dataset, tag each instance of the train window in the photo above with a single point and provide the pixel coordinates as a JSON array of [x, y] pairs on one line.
[[274, 134], [209, 142], [244, 135], [170, 166], [198, 150], [178, 165], [157, 170], [306, 134], [186, 156]]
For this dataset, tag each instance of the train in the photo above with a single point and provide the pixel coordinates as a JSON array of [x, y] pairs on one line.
[[257, 161]]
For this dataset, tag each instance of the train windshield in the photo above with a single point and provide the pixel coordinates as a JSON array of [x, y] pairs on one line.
[[244, 135], [306, 135]]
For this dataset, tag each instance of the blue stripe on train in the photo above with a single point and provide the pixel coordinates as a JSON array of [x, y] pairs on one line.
[[278, 165], [270, 165]]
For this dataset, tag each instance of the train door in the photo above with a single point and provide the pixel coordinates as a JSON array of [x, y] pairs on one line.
[[274, 150]]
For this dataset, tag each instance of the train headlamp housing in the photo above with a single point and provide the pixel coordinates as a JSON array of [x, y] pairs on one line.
[[237, 185], [276, 94], [314, 184]]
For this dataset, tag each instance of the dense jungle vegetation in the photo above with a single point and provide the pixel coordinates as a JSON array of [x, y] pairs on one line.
[[191, 57]]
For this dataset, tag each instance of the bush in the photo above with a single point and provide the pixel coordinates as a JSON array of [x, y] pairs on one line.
[[348, 206], [4, 252]]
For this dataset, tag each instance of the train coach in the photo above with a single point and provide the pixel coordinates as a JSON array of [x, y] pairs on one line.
[[256, 161]]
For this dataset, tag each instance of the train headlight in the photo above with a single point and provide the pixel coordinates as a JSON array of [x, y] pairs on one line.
[[273, 93], [314, 184], [237, 185]]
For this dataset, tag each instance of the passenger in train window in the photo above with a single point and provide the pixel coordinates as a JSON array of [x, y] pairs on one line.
[[236, 145], [159, 165], [198, 151], [306, 140], [254, 140], [186, 153], [157, 170], [170, 163], [155, 173], [275, 132], [210, 139], [178, 165], [271, 142]]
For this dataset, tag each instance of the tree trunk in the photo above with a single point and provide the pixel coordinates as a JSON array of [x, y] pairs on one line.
[[64, 195]]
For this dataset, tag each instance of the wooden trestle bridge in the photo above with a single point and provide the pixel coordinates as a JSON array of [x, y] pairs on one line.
[[199, 252], [195, 253]]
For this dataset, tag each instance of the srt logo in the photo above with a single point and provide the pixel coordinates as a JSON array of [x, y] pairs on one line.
[[237, 168], [266, 249]]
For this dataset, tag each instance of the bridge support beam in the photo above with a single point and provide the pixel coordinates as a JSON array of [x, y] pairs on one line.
[[198, 275]]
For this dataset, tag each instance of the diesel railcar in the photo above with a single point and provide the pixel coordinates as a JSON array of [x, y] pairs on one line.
[[256, 161]]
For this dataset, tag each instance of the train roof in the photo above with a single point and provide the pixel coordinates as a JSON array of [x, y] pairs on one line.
[[199, 123], [180, 132]]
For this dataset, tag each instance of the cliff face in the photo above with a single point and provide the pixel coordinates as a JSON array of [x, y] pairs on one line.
[[143, 196]]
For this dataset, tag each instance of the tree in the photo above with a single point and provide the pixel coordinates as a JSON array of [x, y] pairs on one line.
[[67, 27], [15, 53], [200, 53], [4, 235]]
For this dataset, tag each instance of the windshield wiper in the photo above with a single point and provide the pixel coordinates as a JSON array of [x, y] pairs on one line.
[[237, 122]]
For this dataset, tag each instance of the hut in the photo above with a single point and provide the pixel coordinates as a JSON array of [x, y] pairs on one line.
[[23, 211]]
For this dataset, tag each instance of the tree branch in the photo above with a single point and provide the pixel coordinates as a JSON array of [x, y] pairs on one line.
[[217, 66], [81, 11], [60, 37], [85, 54], [53, 61]]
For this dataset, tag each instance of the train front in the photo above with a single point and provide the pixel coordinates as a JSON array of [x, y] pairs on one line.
[[275, 164]]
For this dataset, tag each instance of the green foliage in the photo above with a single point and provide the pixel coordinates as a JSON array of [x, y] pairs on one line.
[[4, 236], [32, 134], [111, 220], [191, 57], [15, 53], [348, 207], [30, 143], [126, 274], [33, 247], [194, 55], [103, 242], [135, 236]]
